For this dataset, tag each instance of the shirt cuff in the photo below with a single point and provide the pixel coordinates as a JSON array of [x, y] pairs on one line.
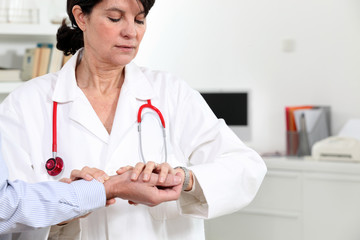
[[91, 195]]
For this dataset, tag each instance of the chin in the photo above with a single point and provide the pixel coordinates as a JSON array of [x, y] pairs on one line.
[[122, 61]]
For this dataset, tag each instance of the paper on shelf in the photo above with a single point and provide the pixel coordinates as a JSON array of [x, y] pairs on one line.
[[316, 123], [351, 129]]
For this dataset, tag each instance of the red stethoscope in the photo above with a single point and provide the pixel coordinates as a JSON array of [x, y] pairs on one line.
[[161, 123], [55, 165]]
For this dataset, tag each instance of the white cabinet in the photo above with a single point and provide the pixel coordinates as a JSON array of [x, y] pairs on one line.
[[331, 206], [14, 39], [298, 200]]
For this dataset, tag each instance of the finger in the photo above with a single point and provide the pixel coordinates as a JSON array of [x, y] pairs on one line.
[[96, 173], [124, 169], [132, 203], [65, 180], [149, 167], [77, 174], [88, 174], [137, 170], [170, 181], [164, 195], [164, 171], [157, 168], [170, 193], [110, 202]]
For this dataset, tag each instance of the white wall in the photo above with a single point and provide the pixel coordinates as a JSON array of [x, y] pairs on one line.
[[239, 44], [231, 44]]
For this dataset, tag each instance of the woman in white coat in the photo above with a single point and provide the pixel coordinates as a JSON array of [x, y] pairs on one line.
[[99, 92]]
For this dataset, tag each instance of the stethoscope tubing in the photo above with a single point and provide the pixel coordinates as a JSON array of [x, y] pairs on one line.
[[163, 134], [139, 117], [54, 130]]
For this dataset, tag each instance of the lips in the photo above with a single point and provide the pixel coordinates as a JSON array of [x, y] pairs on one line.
[[126, 46]]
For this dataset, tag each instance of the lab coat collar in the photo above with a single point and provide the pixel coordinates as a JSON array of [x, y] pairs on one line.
[[66, 86], [136, 87], [137, 83]]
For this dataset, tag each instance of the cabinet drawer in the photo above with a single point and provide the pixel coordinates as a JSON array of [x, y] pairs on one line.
[[280, 190], [254, 227]]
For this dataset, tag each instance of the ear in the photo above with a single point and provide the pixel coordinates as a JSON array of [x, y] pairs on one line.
[[79, 17]]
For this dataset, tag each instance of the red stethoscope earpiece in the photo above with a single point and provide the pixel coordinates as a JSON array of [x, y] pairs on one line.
[[54, 165]]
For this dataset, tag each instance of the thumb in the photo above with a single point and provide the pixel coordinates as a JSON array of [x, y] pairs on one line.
[[65, 180]]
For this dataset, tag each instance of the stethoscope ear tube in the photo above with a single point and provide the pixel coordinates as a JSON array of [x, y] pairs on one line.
[[161, 123], [140, 142], [55, 165]]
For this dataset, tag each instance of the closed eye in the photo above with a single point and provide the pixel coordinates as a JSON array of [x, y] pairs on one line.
[[114, 19], [139, 21]]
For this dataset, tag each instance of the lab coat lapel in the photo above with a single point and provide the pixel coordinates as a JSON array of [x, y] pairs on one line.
[[135, 91], [83, 113], [67, 92]]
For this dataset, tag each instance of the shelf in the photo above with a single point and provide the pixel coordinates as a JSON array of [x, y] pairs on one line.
[[12, 29], [7, 87]]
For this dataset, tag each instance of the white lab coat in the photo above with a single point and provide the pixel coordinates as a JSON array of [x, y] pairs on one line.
[[228, 173]]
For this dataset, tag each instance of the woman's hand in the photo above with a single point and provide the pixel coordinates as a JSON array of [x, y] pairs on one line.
[[162, 169], [88, 174], [191, 180]]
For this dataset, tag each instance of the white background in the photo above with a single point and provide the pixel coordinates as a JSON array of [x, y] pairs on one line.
[[286, 52]]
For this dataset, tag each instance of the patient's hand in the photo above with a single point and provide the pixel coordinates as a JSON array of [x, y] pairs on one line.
[[151, 192]]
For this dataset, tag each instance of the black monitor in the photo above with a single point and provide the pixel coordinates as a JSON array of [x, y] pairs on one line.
[[233, 107]]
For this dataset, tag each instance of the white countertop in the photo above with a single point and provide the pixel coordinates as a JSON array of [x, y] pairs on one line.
[[310, 165]]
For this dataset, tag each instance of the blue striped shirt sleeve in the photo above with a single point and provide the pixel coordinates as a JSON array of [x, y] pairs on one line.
[[24, 206]]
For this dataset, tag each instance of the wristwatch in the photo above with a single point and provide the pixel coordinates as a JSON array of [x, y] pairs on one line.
[[186, 178]]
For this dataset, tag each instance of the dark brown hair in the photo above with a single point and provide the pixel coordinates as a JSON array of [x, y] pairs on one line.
[[70, 38]]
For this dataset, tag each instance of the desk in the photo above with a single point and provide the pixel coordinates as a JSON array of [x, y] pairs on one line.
[[298, 200]]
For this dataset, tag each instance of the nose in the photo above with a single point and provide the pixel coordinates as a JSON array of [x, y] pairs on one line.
[[129, 29]]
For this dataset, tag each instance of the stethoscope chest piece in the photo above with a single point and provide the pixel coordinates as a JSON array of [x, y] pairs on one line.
[[54, 166]]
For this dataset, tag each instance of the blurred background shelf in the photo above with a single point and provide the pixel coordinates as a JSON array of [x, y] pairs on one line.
[[7, 87], [16, 30]]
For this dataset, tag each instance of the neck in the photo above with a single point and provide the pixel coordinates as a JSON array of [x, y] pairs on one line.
[[97, 76]]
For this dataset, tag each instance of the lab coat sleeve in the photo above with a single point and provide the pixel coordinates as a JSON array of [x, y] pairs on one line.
[[228, 173], [14, 140]]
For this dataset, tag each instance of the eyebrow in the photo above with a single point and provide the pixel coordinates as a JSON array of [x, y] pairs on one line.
[[115, 9]]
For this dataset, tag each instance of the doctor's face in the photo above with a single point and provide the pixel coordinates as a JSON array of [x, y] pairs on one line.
[[113, 31]]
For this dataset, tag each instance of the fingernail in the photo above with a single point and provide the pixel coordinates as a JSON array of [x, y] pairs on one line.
[[177, 179], [101, 179], [162, 179], [146, 177], [88, 177], [133, 176], [106, 177]]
